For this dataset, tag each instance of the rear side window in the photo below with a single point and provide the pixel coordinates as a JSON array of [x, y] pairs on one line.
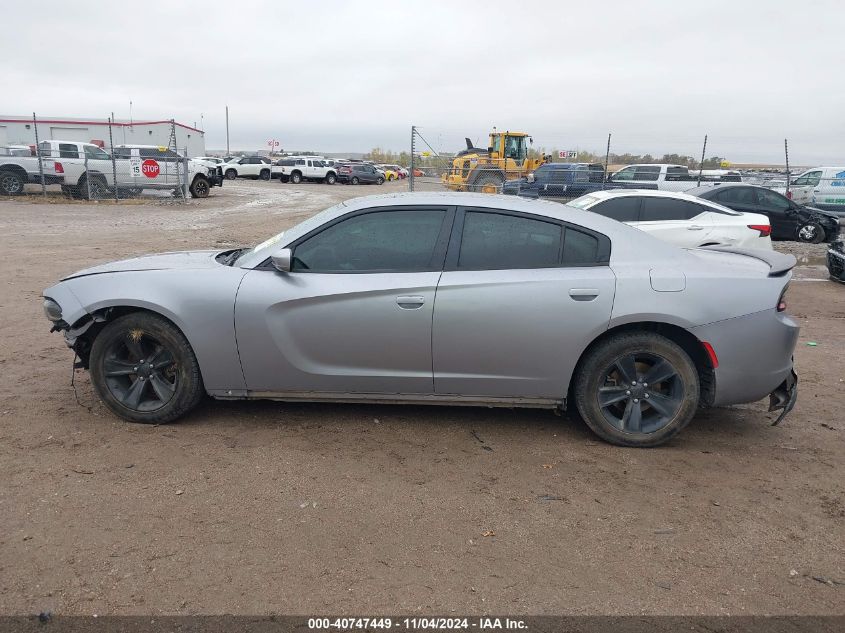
[[668, 209], [579, 248], [498, 241], [677, 173], [735, 195], [401, 241], [647, 173], [67, 150], [624, 209]]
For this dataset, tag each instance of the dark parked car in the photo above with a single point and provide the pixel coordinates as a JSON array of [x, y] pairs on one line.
[[356, 174], [836, 261], [570, 180], [790, 221]]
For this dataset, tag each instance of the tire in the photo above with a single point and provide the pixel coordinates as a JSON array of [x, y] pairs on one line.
[[810, 233], [380, 180], [616, 368], [231, 174], [296, 178], [96, 190], [354, 180], [264, 175], [11, 183], [330, 179], [487, 183], [140, 393], [200, 187]]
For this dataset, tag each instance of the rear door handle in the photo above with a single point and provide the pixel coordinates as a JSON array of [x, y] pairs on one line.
[[410, 302], [695, 227], [583, 294]]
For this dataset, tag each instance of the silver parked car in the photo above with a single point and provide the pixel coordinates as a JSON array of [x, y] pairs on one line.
[[449, 298]]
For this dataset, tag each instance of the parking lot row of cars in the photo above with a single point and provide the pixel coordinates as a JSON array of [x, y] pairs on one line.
[[296, 169]]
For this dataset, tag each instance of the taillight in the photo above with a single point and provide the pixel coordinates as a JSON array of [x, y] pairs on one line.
[[765, 229], [58, 167], [782, 300], [789, 195]]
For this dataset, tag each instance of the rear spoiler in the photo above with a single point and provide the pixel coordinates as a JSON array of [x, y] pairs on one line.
[[779, 263]]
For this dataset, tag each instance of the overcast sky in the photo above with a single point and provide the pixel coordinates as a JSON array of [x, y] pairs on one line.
[[344, 76]]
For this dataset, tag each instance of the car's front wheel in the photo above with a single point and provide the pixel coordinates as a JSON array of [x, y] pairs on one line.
[[330, 179], [811, 232], [144, 369], [380, 180], [231, 174], [637, 389]]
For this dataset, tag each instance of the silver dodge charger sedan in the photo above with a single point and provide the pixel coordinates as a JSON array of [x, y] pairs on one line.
[[442, 298]]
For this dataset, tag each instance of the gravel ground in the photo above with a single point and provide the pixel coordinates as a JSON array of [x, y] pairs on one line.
[[264, 507]]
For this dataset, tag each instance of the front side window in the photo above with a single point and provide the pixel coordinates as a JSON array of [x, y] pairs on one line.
[[771, 200], [95, 153], [401, 241], [498, 241], [623, 209], [626, 173], [810, 179]]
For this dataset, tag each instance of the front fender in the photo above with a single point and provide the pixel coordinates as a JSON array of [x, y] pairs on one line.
[[201, 303]]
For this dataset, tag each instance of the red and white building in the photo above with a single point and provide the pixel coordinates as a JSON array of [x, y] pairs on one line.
[[19, 130]]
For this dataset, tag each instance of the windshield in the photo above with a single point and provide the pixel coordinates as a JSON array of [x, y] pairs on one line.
[[269, 246], [584, 202]]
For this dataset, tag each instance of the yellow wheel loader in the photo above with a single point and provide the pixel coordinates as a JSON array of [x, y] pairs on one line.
[[486, 170]]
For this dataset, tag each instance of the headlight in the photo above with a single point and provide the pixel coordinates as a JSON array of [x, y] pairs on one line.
[[53, 310]]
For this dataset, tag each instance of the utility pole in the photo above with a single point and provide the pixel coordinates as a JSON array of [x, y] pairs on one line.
[[701, 165], [227, 130]]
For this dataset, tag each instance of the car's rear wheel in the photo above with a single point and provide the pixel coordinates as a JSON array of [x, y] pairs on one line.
[[296, 178], [637, 389], [144, 369], [94, 189], [811, 233], [354, 180], [231, 174], [11, 183]]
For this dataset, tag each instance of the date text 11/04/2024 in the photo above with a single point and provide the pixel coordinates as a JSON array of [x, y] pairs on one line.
[[417, 624]]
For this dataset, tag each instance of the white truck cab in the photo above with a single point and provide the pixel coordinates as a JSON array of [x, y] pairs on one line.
[[656, 176], [820, 187]]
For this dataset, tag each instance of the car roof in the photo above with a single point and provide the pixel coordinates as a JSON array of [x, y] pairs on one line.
[[657, 193], [626, 239], [722, 185]]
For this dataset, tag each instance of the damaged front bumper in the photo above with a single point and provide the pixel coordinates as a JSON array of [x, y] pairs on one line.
[[783, 398]]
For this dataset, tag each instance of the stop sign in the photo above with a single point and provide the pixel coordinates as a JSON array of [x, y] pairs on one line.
[[150, 168]]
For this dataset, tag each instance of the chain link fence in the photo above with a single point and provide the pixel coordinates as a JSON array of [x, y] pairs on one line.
[[101, 169], [509, 162]]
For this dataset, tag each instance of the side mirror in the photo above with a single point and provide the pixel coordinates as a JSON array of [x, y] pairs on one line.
[[282, 260]]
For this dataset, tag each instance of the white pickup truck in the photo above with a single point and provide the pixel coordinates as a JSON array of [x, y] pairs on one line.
[[656, 176], [18, 168], [295, 169], [88, 170]]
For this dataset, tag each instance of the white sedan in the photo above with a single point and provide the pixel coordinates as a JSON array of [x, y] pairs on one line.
[[679, 218]]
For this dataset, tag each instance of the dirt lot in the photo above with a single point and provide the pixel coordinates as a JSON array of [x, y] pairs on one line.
[[271, 508]]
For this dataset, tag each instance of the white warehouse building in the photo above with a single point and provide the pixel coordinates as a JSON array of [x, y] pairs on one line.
[[19, 130]]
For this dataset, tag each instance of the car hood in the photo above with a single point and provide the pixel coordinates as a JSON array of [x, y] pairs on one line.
[[813, 211], [182, 260]]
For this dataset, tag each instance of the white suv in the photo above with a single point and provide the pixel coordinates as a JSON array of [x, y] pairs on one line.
[[295, 169], [248, 167], [679, 218]]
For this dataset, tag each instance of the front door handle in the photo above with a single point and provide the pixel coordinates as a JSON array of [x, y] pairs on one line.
[[583, 294], [695, 227], [410, 302]]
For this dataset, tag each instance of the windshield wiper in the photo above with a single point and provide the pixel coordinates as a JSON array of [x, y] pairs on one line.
[[230, 258]]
